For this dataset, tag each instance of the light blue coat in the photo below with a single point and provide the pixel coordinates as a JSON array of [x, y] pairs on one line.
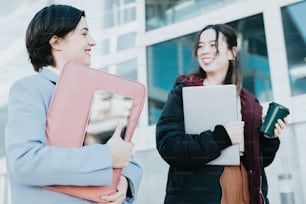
[[31, 164]]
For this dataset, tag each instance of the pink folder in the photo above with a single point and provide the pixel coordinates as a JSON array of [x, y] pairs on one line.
[[74, 94]]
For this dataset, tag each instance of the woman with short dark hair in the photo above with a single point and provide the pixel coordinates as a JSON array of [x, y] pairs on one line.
[[56, 35], [53, 20]]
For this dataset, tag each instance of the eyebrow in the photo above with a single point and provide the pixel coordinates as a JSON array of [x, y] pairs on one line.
[[84, 28]]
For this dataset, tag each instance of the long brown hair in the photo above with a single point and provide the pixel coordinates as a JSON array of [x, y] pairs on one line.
[[233, 75]]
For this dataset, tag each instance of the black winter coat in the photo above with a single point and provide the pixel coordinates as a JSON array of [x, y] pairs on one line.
[[190, 180]]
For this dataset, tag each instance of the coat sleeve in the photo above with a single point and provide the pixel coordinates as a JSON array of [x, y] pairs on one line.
[[268, 148], [31, 162], [186, 150], [133, 172]]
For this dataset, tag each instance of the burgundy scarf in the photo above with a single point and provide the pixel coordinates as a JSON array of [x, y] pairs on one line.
[[251, 113]]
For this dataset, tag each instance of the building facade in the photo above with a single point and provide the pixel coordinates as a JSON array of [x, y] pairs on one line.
[[151, 41]]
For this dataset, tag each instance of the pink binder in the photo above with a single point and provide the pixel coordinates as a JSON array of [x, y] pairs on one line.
[[74, 93]]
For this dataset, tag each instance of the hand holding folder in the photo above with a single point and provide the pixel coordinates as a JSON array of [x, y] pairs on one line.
[[74, 93], [214, 105], [119, 148]]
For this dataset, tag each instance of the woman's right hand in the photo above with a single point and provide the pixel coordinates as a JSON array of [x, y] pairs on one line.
[[121, 150], [235, 131]]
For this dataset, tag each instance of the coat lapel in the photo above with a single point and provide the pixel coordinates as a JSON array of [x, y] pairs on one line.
[[48, 74]]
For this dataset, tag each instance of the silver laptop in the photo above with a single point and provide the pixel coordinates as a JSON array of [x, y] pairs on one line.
[[207, 106]]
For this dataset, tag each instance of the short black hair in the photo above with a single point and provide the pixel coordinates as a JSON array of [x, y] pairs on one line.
[[51, 20]]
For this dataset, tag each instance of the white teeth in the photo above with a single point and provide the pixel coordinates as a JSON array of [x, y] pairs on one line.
[[207, 60]]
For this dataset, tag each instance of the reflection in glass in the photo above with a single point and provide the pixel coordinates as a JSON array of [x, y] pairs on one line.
[[253, 56], [161, 13], [293, 18], [106, 112], [165, 61]]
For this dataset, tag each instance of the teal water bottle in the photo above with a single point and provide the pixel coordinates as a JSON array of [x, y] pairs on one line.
[[275, 112]]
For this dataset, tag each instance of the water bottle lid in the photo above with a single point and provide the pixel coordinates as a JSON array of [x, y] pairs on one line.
[[279, 106]]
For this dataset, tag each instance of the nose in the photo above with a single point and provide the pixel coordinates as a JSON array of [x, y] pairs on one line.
[[207, 49], [204, 49], [91, 41]]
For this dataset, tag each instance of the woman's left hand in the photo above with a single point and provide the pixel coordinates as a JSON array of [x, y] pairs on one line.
[[119, 196], [279, 126]]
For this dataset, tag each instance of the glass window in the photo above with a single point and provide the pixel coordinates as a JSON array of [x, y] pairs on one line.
[[168, 59], [293, 18], [105, 47], [161, 13], [126, 41], [253, 56], [129, 14], [165, 61], [118, 12], [109, 17], [128, 69]]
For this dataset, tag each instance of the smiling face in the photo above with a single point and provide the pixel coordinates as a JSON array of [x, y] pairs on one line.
[[213, 57], [73, 47]]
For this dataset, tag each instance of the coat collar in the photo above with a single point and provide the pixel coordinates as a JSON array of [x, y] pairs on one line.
[[50, 75]]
